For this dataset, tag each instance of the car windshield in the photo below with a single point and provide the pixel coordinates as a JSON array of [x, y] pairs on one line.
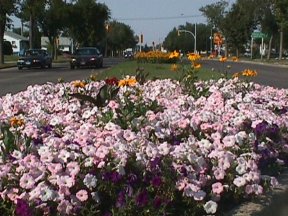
[[86, 52], [33, 52]]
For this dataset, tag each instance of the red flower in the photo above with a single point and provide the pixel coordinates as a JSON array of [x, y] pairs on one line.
[[112, 81]]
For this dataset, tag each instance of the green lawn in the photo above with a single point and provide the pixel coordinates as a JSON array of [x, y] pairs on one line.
[[161, 71]]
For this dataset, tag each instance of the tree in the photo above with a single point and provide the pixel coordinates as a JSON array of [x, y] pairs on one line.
[[52, 21], [120, 36], [87, 21], [7, 8], [267, 20], [30, 10], [185, 41], [281, 13], [238, 35], [215, 14]]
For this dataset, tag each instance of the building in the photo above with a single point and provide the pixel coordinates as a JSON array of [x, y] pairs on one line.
[[65, 44], [18, 42]]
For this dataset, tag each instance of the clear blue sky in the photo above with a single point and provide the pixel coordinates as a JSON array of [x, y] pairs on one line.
[[155, 18]]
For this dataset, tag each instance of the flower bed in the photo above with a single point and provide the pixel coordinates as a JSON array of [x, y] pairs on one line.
[[157, 57], [94, 148]]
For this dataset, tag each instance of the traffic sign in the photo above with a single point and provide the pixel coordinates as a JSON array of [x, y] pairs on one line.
[[258, 35]]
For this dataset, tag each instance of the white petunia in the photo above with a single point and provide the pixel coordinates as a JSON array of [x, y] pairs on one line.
[[210, 207], [90, 181]]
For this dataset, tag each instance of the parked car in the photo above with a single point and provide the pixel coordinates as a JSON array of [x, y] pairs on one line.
[[35, 58], [86, 57]]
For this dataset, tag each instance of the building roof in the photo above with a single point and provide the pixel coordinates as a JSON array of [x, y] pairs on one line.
[[63, 41], [15, 36]]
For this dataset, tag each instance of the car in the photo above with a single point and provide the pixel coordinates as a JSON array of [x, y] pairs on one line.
[[86, 57], [34, 58], [128, 54]]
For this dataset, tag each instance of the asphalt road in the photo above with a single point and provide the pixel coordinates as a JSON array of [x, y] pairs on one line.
[[269, 75], [12, 80]]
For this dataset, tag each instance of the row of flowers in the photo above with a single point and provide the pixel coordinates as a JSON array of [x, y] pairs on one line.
[[124, 148], [172, 57]]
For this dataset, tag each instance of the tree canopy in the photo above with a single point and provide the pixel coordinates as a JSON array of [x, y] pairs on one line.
[[7, 7]]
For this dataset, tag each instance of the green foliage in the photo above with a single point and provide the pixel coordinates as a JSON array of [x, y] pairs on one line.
[[8, 141], [185, 41], [190, 77], [7, 48], [106, 93], [87, 21], [120, 36], [141, 76], [215, 13]]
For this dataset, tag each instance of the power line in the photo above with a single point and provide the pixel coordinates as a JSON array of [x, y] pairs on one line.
[[157, 18]]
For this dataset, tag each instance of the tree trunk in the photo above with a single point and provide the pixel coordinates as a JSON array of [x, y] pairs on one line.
[[269, 48], [2, 29], [31, 31], [281, 41], [226, 49]]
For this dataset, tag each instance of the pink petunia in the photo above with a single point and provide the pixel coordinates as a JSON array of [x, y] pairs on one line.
[[27, 181], [82, 195], [217, 188]]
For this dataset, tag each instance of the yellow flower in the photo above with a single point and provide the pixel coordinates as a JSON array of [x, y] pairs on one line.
[[174, 54], [79, 84], [223, 59], [196, 65], [14, 122], [211, 56], [234, 59], [236, 75], [249, 73], [127, 82], [174, 67], [193, 56]]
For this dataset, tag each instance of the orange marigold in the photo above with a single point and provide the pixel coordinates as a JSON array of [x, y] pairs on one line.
[[79, 84], [127, 82], [196, 65], [193, 56], [174, 67], [249, 73], [223, 59], [16, 122]]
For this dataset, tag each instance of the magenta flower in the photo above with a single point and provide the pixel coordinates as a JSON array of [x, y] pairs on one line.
[[142, 198], [22, 208]]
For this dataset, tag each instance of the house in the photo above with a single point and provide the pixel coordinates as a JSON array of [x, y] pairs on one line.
[[18, 42], [65, 44]]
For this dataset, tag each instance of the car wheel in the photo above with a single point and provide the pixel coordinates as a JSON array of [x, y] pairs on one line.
[[20, 68], [50, 65], [42, 66]]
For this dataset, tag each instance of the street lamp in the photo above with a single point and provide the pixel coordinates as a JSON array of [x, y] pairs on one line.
[[193, 34], [211, 40]]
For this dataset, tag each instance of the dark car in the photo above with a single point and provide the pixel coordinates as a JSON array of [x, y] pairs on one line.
[[87, 57], [128, 54], [35, 58]]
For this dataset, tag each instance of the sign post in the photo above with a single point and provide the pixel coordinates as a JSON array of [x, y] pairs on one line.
[[258, 35]]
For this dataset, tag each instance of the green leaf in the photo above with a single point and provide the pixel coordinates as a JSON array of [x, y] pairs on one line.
[[84, 97]]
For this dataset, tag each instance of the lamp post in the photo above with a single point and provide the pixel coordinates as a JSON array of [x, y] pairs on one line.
[[211, 38], [193, 34]]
